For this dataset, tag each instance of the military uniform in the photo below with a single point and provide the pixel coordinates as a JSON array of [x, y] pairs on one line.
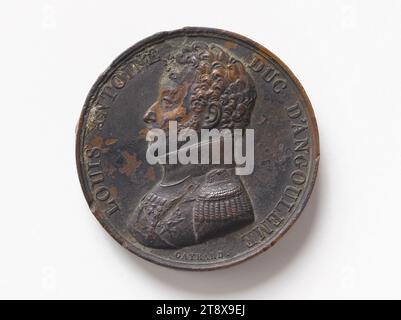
[[191, 211]]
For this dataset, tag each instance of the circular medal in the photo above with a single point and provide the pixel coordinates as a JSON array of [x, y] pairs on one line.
[[197, 149]]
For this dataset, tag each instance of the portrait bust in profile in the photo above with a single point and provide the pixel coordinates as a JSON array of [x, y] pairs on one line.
[[202, 87]]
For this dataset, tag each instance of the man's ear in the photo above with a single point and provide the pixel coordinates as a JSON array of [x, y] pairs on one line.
[[211, 116]]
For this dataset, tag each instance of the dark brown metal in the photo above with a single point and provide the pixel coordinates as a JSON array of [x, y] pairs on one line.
[[196, 217]]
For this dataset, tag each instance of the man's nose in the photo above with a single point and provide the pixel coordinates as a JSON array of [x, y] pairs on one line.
[[149, 116]]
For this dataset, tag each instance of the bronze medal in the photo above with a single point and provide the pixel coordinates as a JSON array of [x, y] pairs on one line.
[[209, 214]]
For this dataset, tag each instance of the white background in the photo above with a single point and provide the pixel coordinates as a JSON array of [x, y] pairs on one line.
[[347, 55]]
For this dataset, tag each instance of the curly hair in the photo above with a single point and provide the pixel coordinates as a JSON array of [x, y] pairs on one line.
[[219, 80]]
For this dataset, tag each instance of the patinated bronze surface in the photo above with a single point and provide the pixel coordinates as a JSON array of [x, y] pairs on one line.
[[196, 216]]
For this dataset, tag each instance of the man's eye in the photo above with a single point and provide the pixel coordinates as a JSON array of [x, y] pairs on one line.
[[166, 102]]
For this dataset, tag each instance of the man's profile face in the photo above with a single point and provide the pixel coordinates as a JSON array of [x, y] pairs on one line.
[[203, 91], [169, 106]]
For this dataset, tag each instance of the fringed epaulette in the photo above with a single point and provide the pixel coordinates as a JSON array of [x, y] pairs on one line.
[[221, 203]]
